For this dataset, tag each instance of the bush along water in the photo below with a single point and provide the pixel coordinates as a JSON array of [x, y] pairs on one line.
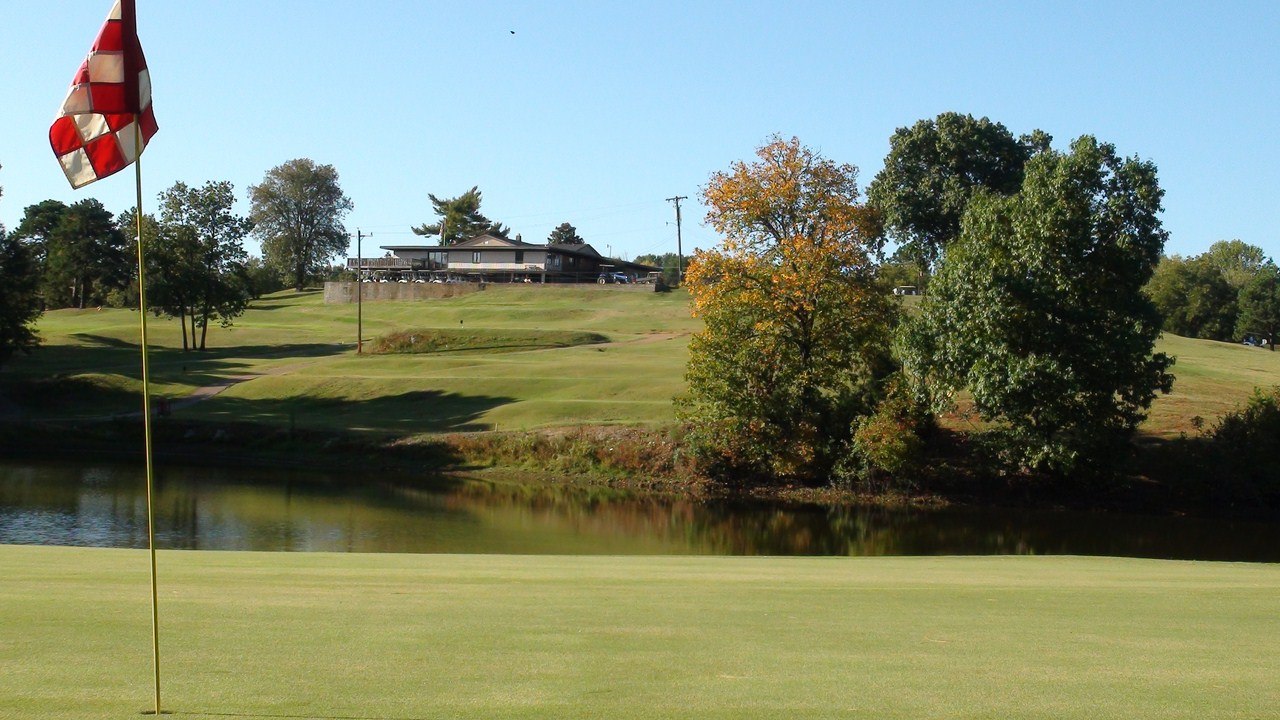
[[1245, 451]]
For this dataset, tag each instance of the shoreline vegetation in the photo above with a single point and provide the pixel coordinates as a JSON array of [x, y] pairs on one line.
[[1164, 479], [589, 403]]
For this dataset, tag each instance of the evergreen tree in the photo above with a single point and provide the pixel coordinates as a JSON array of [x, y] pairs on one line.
[[565, 234], [460, 219], [86, 256], [19, 296]]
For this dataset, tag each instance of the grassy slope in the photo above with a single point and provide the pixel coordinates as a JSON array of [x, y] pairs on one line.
[[1212, 378], [402, 636], [309, 344], [319, 382]]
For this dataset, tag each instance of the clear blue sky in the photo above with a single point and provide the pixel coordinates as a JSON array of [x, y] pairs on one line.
[[594, 112]]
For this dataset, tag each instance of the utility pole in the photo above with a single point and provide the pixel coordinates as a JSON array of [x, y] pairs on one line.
[[679, 248], [359, 292]]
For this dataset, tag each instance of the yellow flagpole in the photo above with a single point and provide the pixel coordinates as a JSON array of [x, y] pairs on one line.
[[146, 416]]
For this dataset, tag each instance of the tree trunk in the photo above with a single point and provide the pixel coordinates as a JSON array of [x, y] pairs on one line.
[[182, 322], [204, 330]]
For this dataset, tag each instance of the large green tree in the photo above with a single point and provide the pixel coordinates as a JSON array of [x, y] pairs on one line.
[[1260, 306], [796, 334], [83, 256], [196, 264], [37, 226], [1194, 298], [1199, 296], [933, 169], [460, 219], [1037, 311], [297, 213], [19, 296], [1236, 260]]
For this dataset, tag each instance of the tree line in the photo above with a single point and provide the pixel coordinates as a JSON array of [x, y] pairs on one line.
[[197, 270], [1230, 292], [1042, 308]]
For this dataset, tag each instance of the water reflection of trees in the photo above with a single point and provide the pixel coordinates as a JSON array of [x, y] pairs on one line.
[[761, 528], [259, 510]]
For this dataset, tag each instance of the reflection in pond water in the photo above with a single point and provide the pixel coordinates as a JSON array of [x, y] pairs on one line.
[[237, 509]]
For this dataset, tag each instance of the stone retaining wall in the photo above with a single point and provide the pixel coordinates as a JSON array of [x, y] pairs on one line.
[[345, 292]]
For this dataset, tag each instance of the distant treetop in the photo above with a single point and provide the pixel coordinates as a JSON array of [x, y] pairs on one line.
[[565, 234], [460, 219], [932, 171]]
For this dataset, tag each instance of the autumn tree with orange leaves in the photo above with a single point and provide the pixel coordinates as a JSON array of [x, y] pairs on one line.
[[796, 336]]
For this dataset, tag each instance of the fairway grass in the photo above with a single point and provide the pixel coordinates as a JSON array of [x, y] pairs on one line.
[[293, 361], [275, 635]]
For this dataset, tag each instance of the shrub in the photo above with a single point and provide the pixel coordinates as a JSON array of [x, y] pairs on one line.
[[434, 340], [1246, 447], [887, 450]]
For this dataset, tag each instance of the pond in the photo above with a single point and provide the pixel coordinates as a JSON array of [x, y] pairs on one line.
[[251, 509]]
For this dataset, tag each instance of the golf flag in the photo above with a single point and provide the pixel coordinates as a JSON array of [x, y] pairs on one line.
[[96, 131]]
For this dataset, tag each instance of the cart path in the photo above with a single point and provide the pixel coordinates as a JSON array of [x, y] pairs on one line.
[[204, 392]]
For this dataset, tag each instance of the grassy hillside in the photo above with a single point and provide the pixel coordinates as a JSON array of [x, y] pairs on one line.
[[299, 353], [1212, 378], [314, 635]]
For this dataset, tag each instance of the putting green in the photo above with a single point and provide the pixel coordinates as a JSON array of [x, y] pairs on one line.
[[264, 635]]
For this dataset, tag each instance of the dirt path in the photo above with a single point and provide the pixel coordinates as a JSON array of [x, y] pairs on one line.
[[651, 338], [204, 392]]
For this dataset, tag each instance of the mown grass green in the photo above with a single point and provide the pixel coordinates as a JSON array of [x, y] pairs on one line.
[[300, 353], [402, 636]]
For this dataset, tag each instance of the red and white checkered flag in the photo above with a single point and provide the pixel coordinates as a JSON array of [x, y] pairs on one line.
[[94, 135]]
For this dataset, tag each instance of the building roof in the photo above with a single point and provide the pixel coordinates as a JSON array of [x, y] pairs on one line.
[[492, 243]]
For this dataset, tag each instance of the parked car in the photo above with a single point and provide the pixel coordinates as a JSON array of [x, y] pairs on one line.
[[615, 277]]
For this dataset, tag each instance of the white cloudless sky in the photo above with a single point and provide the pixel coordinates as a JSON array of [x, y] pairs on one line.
[[595, 112]]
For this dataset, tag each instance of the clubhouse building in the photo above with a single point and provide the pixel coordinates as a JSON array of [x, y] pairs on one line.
[[487, 258]]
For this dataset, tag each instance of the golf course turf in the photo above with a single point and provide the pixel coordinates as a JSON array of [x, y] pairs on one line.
[[279, 635], [295, 357], [402, 637]]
